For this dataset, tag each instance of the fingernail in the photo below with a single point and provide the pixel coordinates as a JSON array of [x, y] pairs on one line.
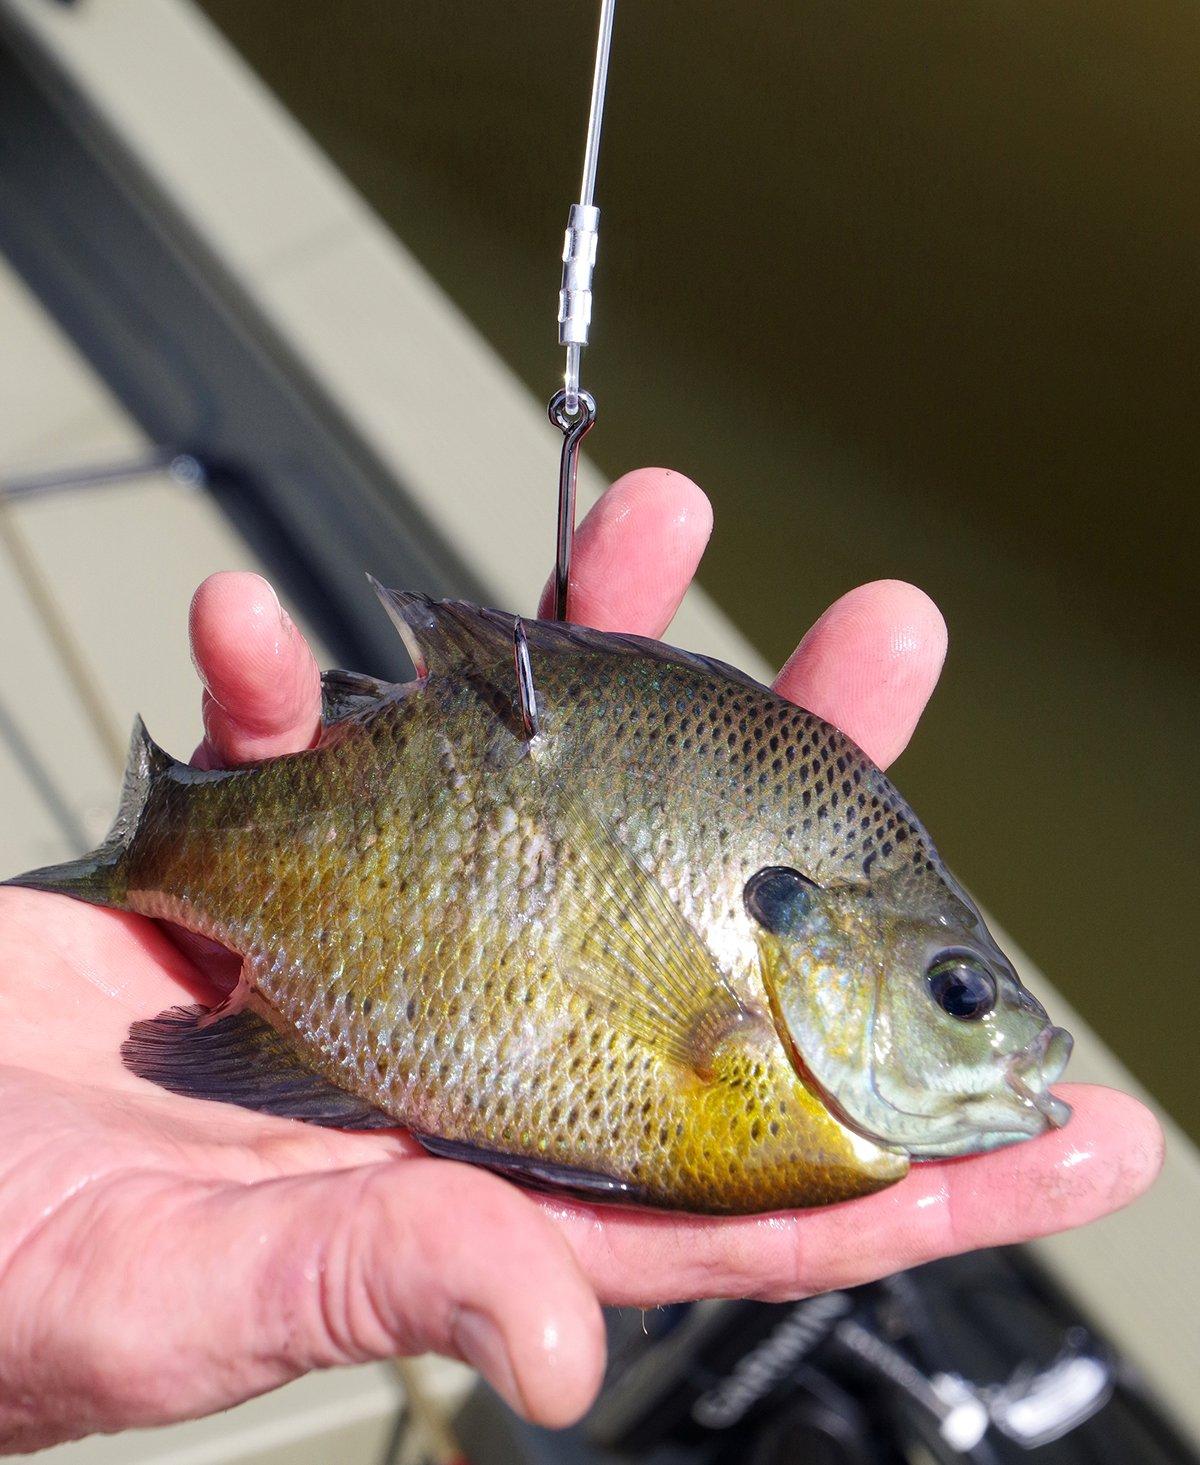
[[479, 1343], [272, 600]]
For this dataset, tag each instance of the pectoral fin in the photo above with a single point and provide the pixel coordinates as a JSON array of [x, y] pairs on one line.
[[624, 943], [240, 1060]]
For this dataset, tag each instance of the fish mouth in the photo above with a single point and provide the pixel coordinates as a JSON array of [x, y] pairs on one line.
[[1031, 1071]]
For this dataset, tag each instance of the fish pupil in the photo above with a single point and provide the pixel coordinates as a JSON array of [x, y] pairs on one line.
[[779, 899], [962, 986]]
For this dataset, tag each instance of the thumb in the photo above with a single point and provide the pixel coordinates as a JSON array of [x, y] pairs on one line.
[[242, 1288], [262, 689]]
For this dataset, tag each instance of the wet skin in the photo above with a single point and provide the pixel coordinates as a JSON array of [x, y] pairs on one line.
[[160, 1259]]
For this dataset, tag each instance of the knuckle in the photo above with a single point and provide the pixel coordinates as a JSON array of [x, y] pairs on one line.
[[123, 1379], [351, 1319]]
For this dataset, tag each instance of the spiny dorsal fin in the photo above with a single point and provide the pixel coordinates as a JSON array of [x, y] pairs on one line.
[[624, 943], [345, 693], [441, 635]]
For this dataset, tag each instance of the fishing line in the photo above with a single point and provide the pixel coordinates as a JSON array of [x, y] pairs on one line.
[[572, 410]]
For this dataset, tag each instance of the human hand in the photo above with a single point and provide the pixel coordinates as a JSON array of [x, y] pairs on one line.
[[161, 1258]]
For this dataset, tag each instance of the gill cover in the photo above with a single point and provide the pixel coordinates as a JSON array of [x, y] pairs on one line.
[[911, 1055]]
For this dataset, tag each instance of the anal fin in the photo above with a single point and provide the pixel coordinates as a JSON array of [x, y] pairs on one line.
[[241, 1060], [536, 1174]]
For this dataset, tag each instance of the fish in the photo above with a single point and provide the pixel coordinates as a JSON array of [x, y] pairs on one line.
[[605, 916]]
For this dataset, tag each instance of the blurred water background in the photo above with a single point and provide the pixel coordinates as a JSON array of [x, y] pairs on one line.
[[912, 290]]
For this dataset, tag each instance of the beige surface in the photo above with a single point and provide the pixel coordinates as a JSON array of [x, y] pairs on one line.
[[342, 1417], [377, 334], [122, 561]]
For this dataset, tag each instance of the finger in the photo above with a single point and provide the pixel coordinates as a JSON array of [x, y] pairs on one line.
[[262, 689], [635, 553], [870, 664], [1107, 1155], [230, 1291]]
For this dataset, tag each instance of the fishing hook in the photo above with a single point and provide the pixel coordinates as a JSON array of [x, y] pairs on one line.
[[574, 429], [525, 687]]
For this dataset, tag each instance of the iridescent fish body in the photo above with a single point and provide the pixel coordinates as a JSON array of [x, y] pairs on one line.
[[640, 930]]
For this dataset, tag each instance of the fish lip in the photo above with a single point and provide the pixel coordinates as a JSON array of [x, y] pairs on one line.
[[1030, 1072]]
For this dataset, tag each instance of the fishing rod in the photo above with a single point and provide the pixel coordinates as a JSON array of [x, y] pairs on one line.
[[573, 410]]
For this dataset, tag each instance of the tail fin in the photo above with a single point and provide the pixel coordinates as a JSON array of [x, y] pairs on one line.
[[99, 877]]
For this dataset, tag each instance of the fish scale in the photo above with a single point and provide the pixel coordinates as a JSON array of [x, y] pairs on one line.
[[536, 951]]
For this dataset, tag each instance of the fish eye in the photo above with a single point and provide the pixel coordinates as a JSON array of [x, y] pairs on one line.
[[779, 899], [961, 985]]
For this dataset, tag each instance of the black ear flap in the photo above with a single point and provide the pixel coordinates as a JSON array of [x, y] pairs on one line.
[[780, 899]]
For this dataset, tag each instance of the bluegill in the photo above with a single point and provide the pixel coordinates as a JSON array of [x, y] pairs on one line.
[[600, 914]]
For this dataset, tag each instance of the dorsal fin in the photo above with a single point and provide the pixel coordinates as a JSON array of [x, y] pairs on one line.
[[344, 693], [441, 635]]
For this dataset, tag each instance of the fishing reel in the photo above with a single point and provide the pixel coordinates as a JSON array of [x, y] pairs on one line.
[[977, 1360]]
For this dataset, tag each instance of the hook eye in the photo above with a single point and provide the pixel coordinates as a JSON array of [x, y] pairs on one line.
[[572, 424]]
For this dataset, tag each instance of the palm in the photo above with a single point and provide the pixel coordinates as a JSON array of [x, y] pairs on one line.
[[99, 1166], [170, 1257], [94, 972]]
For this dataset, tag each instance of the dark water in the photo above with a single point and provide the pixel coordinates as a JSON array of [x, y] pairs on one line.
[[912, 290]]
